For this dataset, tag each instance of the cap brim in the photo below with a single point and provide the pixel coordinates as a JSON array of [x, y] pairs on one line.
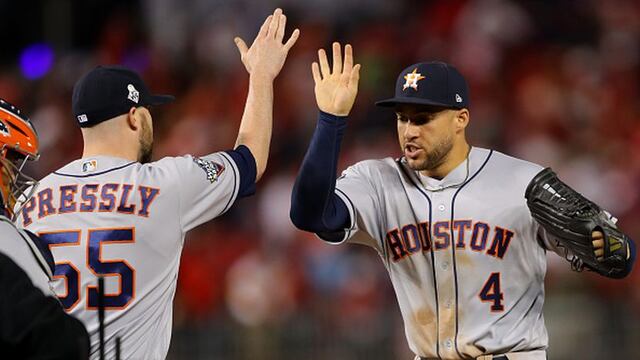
[[412, 101], [155, 100]]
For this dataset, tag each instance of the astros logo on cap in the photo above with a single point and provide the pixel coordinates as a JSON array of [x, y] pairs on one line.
[[412, 79]]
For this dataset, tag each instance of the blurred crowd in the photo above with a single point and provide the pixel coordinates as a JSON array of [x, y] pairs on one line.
[[555, 83]]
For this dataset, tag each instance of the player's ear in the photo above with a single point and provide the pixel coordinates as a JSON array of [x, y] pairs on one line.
[[133, 118], [462, 119]]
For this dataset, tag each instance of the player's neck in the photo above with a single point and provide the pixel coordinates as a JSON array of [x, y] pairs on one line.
[[456, 156], [112, 150], [109, 139]]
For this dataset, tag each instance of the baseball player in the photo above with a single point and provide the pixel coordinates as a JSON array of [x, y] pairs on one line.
[[32, 322], [461, 230], [113, 213]]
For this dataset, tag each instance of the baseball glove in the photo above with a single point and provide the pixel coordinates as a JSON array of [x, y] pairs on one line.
[[571, 219]]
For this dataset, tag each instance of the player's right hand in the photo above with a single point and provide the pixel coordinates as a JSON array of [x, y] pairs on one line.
[[336, 89], [267, 54]]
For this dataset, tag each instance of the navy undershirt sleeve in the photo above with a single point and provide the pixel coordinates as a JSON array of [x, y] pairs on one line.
[[246, 164], [314, 205]]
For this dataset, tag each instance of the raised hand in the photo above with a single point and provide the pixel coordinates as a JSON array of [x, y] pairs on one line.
[[267, 54], [336, 89]]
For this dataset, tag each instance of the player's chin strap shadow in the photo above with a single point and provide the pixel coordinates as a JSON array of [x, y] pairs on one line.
[[101, 325]]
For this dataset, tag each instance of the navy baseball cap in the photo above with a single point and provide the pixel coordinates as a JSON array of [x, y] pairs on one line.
[[109, 91], [430, 83]]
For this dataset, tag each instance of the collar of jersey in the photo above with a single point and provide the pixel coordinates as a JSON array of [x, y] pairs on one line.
[[105, 164], [457, 176]]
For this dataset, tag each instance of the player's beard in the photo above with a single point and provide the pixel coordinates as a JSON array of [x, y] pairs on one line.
[[435, 157], [146, 144]]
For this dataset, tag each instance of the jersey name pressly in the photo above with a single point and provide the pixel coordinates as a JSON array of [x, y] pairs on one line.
[[462, 252], [127, 221]]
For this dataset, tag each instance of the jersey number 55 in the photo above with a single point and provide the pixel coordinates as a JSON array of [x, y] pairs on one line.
[[96, 239]]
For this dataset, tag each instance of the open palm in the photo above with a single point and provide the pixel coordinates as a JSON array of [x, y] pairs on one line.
[[267, 54], [336, 89]]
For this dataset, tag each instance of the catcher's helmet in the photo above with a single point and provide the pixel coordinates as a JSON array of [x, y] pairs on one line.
[[18, 143]]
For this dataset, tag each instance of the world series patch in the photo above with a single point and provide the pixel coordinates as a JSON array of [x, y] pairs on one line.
[[212, 169]]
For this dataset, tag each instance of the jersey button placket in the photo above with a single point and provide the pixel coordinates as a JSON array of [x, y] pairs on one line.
[[445, 280]]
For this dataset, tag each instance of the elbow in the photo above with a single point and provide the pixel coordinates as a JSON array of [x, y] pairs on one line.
[[298, 209], [298, 220], [302, 217]]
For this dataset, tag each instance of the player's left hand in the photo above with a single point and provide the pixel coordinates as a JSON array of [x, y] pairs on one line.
[[267, 54], [597, 239]]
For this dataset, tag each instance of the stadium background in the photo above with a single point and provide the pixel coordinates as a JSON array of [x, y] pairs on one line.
[[552, 82]]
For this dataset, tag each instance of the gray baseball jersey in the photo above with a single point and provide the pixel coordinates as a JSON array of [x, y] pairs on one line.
[[127, 222], [19, 246], [466, 259]]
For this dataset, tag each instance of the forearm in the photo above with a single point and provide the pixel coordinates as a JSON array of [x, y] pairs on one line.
[[314, 205], [257, 121]]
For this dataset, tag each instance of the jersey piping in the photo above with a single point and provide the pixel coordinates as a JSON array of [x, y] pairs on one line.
[[453, 247], [433, 261], [98, 173], [235, 182]]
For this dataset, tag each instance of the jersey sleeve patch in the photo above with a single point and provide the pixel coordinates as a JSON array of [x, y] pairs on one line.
[[212, 169]]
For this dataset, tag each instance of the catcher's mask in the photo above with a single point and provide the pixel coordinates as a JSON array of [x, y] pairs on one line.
[[18, 144]]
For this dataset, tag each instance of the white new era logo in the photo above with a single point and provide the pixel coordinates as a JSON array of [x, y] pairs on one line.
[[134, 95], [458, 98], [82, 118]]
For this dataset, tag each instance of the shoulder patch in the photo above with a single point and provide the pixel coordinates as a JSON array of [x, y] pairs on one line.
[[212, 169]]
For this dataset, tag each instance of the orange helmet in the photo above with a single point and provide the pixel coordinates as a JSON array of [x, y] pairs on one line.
[[18, 144]]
